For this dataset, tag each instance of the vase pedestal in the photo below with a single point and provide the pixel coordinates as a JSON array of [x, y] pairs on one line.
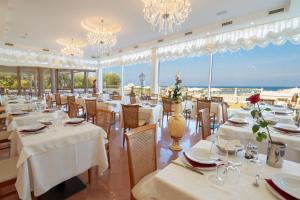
[[176, 127]]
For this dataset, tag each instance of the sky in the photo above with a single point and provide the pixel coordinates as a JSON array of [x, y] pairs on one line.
[[272, 66]]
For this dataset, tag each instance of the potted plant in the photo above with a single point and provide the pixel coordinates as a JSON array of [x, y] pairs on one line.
[[260, 128], [176, 122]]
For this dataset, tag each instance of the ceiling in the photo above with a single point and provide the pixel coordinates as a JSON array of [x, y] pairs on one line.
[[36, 24]]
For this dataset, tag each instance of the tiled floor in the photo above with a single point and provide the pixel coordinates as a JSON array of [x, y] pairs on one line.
[[114, 184]]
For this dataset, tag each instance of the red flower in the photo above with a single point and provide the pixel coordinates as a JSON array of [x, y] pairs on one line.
[[254, 98]]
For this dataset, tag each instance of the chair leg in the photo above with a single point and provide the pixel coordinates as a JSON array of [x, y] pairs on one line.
[[123, 137], [90, 175], [197, 124], [108, 158]]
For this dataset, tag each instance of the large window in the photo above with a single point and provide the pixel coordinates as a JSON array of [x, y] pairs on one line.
[[8, 80], [194, 73], [79, 82], [91, 76], [273, 71], [132, 78], [64, 80], [28, 84], [47, 80], [112, 79]]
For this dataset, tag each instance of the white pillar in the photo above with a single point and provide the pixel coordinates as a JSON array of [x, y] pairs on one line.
[[99, 76], [154, 72], [210, 75], [122, 81]]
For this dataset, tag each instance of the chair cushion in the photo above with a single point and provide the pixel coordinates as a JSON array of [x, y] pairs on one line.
[[4, 135], [8, 170], [139, 191], [142, 122]]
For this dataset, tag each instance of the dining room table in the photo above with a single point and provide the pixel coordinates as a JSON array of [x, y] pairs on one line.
[[151, 113], [179, 181], [243, 132], [55, 152]]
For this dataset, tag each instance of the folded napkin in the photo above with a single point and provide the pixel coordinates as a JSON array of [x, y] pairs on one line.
[[197, 164], [32, 130], [280, 191]]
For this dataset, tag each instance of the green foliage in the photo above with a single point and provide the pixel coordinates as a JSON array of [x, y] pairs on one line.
[[79, 80], [8, 81], [111, 80]]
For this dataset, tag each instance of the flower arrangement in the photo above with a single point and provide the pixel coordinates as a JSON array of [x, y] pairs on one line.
[[260, 123], [175, 92]]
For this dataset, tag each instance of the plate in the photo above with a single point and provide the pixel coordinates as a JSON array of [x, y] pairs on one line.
[[75, 121], [287, 128], [288, 183], [237, 120], [32, 128], [199, 155], [46, 121], [184, 160], [283, 112], [273, 191]]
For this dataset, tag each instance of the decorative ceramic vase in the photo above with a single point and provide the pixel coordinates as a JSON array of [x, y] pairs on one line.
[[275, 155], [176, 127]]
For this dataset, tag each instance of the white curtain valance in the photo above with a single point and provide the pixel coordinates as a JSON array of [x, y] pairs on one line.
[[277, 33], [127, 59], [16, 57]]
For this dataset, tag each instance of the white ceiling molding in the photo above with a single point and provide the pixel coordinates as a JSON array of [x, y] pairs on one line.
[[16, 57], [142, 56], [276, 33]]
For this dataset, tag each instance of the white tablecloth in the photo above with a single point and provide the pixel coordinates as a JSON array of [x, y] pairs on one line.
[[244, 134], [55, 155], [151, 115], [175, 182]]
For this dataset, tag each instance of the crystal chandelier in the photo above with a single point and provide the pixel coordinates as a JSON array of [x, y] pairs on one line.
[[166, 14], [72, 46], [102, 34]]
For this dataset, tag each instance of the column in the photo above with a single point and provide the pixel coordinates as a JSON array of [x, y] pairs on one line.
[[35, 82], [72, 81], [210, 75], [154, 72], [53, 80], [99, 77], [122, 81], [85, 85], [41, 86], [19, 80]]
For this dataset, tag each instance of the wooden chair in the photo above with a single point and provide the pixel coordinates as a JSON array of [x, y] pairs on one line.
[[49, 102], [205, 123], [73, 109], [104, 119], [8, 173], [4, 135], [130, 114], [133, 100], [268, 101], [217, 99], [116, 97], [204, 104], [141, 149], [298, 119], [167, 108], [58, 100], [91, 109], [224, 112]]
